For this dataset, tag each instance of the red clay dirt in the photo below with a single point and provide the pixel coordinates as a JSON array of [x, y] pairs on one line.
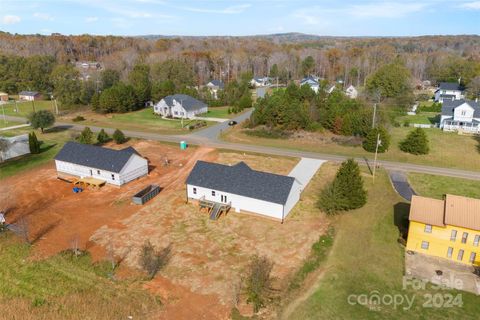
[[208, 258]]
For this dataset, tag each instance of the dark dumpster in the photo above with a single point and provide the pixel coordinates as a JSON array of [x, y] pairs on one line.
[[146, 194]]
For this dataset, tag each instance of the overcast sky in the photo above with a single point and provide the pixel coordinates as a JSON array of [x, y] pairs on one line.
[[238, 17]]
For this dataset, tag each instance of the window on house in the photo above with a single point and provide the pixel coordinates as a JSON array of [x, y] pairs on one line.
[[113, 176], [473, 255], [194, 190], [460, 255], [98, 172], [464, 237], [425, 245], [476, 240], [213, 193], [453, 235], [449, 252], [464, 112], [428, 228]]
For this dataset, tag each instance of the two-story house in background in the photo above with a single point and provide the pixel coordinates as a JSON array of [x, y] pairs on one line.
[[448, 228], [180, 106], [449, 91], [460, 115]]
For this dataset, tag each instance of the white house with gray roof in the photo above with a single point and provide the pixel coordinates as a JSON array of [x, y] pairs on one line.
[[180, 106], [214, 86], [460, 115], [115, 167], [244, 189], [312, 82], [449, 91]]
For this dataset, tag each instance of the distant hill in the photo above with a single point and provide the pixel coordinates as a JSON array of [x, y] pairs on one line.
[[276, 37]]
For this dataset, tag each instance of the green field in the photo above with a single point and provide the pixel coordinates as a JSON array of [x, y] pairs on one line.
[[27, 107], [366, 258], [64, 287], [436, 186], [52, 143], [4, 124], [445, 147], [420, 118], [218, 112], [142, 120]]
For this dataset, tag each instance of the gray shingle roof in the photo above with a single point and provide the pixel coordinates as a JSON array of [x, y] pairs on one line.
[[450, 86], [240, 179], [217, 83], [95, 157], [28, 93], [448, 107], [188, 103]]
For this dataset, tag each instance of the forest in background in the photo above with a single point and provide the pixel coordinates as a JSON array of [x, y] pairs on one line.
[[435, 58]]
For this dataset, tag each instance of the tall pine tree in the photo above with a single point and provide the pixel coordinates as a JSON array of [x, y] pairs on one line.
[[346, 192], [416, 142], [370, 142], [33, 143]]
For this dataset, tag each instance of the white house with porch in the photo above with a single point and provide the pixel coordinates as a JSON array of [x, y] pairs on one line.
[[214, 86], [260, 82], [351, 92], [180, 106], [312, 82], [449, 91], [460, 115], [243, 189], [115, 167]]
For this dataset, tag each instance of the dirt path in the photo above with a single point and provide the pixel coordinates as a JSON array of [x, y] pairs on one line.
[[309, 289]]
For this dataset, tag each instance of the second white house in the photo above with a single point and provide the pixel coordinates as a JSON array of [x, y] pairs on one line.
[[115, 167], [244, 189]]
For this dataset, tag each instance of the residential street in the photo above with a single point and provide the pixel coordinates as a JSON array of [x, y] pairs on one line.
[[210, 137]]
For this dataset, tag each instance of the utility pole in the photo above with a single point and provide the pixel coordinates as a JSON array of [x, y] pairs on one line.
[[3, 111], [33, 104], [376, 153], [374, 115]]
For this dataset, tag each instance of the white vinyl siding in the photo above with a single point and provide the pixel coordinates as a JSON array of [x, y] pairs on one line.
[[136, 167], [238, 203]]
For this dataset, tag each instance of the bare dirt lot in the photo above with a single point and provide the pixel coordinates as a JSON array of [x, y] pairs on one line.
[[201, 279]]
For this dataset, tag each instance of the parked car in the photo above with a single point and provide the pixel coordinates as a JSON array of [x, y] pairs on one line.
[[232, 122]]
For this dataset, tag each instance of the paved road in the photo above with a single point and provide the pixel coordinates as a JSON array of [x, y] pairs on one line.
[[401, 185], [210, 137]]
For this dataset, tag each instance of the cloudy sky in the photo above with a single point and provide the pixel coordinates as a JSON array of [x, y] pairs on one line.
[[238, 17]]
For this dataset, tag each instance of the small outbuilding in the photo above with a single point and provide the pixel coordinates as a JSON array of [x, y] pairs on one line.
[[13, 147], [244, 189], [29, 95], [115, 167], [3, 97], [180, 106]]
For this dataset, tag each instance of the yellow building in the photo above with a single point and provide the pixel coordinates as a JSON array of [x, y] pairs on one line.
[[448, 228]]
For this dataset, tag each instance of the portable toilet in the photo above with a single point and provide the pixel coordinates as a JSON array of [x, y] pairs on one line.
[[183, 145]]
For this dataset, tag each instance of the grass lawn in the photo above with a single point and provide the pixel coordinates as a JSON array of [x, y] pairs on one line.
[[436, 186], [4, 124], [218, 112], [63, 287], [445, 147], [367, 259], [26, 107], [142, 120], [420, 118], [52, 143]]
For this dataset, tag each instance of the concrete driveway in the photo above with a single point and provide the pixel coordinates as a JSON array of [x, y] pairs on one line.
[[305, 170]]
